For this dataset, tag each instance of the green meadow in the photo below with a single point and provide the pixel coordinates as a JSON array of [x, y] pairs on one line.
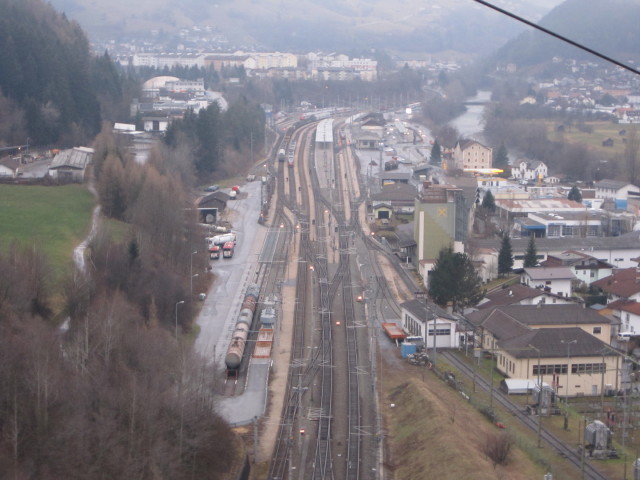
[[54, 219]]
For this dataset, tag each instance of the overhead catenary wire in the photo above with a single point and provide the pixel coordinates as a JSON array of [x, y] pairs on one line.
[[558, 36]]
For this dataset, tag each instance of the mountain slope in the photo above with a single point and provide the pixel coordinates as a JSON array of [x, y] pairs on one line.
[[48, 77], [607, 26], [408, 25]]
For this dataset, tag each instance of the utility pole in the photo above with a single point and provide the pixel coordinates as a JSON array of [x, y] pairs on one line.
[[255, 440], [539, 395], [493, 355], [566, 393]]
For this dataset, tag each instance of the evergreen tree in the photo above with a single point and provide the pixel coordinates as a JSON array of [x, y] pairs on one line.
[[501, 160], [454, 279], [505, 257], [488, 202], [531, 255], [575, 194], [209, 134], [436, 153]]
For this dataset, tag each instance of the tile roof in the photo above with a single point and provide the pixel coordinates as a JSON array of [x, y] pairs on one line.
[[509, 296], [623, 283], [427, 310], [543, 314], [554, 343], [630, 306]]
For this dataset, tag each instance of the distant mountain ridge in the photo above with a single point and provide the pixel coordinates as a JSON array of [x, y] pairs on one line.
[[402, 25], [607, 26]]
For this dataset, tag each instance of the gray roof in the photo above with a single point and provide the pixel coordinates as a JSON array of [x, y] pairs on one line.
[[499, 324], [553, 343], [213, 198], [543, 314], [396, 176], [397, 192], [629, 240], [612, 184], [549, 273], [510, 295], [427, 310], [78, 158]]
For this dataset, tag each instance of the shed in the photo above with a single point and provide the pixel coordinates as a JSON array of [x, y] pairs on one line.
[[70, 165], [210, 206], [519, 386]]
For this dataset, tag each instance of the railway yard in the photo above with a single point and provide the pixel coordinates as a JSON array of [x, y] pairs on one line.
[[304, 345]]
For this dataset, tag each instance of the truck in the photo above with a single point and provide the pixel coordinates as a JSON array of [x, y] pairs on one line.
[[392, 164], [222, 239], [227, 249], [281, 155], [214, 252]]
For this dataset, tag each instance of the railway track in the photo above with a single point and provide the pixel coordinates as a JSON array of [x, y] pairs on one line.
[[317, 373], [589, 471]]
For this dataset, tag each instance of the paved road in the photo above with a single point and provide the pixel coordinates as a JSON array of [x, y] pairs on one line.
[[222, 304]]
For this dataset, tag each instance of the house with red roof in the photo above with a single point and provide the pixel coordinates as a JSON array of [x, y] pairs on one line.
[[623, 284]]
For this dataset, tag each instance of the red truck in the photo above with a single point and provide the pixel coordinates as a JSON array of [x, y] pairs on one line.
[[227, 249]]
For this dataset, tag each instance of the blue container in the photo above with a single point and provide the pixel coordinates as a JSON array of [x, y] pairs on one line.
[[407, 349]]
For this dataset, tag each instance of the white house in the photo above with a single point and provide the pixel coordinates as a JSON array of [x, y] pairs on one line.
[[614, 190], [555, 280], [437, 327], [623, 284], [586, 268], [530, 171], [156, 124], [628, 311]]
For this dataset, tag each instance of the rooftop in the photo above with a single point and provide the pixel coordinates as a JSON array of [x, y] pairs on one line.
[[509, 296], [426, 310], [542, 314], [556, 342], [623, 283], [77, 157], [549, 273], [610, 184]]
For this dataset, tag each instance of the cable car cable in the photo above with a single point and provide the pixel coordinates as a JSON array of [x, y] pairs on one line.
[[558, 36]]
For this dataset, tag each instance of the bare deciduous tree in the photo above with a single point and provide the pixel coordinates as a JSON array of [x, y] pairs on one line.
[[497, 447]]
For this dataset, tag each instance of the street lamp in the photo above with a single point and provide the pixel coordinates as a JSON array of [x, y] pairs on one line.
[[568, 344], [191, 275], [177, 303]]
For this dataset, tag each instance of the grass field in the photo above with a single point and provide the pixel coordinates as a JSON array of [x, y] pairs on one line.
[[55, 219], [593, 140]]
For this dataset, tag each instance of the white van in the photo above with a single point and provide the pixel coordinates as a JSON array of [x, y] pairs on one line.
[[625, 336]]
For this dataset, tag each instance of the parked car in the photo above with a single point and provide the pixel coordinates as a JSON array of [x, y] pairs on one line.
[[212, 188]]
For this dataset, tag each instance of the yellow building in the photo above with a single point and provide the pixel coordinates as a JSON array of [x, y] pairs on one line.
[[573, 362], [569, 342]]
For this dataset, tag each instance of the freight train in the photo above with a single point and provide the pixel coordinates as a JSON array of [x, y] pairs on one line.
[[233, 359]]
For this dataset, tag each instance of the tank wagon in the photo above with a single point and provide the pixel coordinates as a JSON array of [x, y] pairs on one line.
[[233, 359]]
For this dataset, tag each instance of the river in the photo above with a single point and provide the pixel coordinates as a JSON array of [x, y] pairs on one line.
[[470, 123]]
